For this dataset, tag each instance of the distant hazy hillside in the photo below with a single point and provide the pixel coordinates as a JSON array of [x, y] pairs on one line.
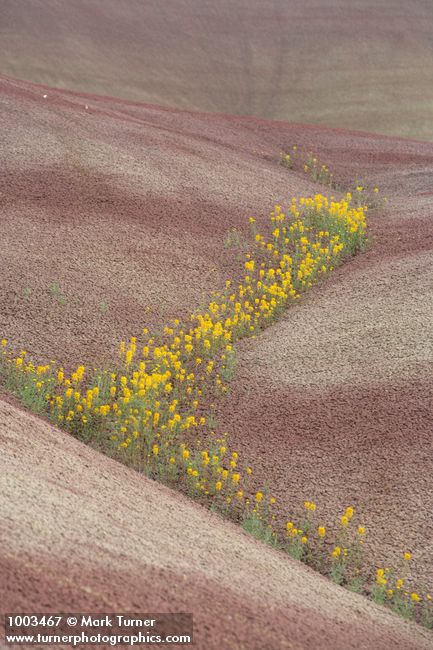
[[363, 64]]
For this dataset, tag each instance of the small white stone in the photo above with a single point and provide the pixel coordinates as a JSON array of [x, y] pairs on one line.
[[44, 96]]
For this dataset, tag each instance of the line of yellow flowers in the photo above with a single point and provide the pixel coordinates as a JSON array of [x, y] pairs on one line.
[[152, 409], [150, 405]]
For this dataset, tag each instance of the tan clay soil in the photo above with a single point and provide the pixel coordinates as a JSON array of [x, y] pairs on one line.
[[130, 205], [82, 533]]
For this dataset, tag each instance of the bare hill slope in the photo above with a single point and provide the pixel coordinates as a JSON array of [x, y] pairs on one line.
[[129, 205], [365, 64], [82, 533]]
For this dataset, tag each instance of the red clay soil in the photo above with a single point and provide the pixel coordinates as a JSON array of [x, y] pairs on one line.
[[81, 533], [116, 216], [366, 64], [127, 206]]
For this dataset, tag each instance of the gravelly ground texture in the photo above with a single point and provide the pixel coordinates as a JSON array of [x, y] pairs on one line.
[[366, 64], [82, 533], [126, 207], [335, 401]]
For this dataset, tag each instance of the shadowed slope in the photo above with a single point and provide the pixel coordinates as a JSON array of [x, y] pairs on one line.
[[119, 542], [135, 201], [365, 64]]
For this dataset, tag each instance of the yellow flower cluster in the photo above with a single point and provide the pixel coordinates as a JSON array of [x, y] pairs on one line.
[[319, 172], [152, 410], [391, 589]]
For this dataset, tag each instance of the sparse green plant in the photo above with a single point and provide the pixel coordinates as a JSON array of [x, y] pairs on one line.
[[338, 570], [55, 289], [426, 618], [356, 585], [228, 369], [363, 194], [233, 239], [378, 594], [212, 421], [55, 292], [317, 170], [260, 529], [288, 159], [403, 606]]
